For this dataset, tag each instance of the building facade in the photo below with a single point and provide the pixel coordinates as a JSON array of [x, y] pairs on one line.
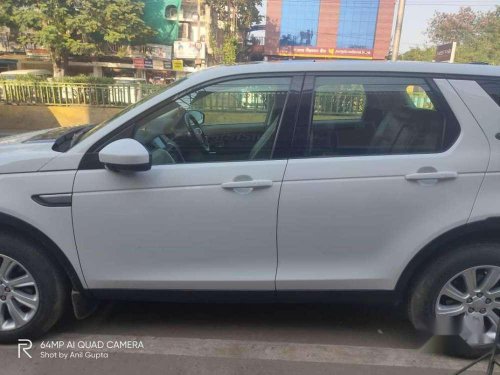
[[330, 29]]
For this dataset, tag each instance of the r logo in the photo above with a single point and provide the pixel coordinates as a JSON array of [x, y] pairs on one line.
[[25, 345]]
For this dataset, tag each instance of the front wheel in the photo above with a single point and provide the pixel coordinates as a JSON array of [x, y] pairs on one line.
[[459, 294], [33, 291]]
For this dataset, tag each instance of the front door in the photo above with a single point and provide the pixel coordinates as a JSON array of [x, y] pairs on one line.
[[383, 165], [204, 217]]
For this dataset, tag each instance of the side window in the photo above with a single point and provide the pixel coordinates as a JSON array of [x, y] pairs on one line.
[[492, 87], [230, 121], [378, 116]]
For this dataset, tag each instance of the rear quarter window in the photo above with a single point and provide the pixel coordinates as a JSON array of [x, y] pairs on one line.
[[492, 87]]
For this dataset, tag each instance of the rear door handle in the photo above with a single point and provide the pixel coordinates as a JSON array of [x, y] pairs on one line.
[[431, 176], [254, 184]]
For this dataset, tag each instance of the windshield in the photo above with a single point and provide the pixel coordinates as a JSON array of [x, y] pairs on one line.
[[125, 110]]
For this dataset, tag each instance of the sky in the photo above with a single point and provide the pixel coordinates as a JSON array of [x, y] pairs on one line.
[[419, 12]]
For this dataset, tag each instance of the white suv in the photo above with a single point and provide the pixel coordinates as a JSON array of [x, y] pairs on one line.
[[281, 180]]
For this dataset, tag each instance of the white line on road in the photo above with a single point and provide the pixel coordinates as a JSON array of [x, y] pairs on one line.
[[279, 351]]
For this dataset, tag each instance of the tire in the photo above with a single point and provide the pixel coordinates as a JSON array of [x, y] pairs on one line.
[[427, 289], [51, 288]]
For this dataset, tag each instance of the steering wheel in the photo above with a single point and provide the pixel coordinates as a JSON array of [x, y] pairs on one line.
[[196, 131]]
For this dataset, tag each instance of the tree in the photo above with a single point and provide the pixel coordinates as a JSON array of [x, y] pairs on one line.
[[419, 54], [78, 27], [459, 27], [6, 13], [237, 16], [476, 33]]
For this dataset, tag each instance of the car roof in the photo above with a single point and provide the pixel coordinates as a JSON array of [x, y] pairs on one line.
[[352, 66]]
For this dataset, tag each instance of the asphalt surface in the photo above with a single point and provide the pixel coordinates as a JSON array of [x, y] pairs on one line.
[[164, 338]]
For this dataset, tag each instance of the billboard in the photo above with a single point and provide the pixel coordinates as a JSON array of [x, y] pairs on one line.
[[155, 51], [189, 50], [159, 51], [318, 52], [446, 52], [142, 63]]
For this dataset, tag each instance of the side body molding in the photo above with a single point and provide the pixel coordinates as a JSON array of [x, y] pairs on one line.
[[54, 200]]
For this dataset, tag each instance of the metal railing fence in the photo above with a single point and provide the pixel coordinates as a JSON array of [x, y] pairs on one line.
[[60, 93], [121, 95], [325, 103]]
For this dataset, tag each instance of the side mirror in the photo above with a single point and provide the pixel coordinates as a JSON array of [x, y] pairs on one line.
[[125, 155], [198, 116]]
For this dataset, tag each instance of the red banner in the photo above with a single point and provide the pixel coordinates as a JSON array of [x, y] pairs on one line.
[[138, 62]]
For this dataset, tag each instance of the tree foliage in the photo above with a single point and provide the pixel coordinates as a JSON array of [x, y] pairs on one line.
[[476, 33], [459, 27], [236, 17], [246, 12], [6, 13], [419, 54], [78, 27]]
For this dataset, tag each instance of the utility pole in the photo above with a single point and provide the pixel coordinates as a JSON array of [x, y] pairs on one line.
[[198, 10], [397, 32]]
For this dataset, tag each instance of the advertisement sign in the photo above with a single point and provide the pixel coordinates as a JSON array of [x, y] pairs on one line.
[[446, 52], [158, 64], [148, 63], [178, 65], [142, 63], [167, 64], [138, 62], [159, 51], [189, 50], [39, 53], [340, 53]]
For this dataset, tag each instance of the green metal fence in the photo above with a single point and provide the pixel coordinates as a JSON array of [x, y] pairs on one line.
[[324, 104], [120, 95], [57, 93]]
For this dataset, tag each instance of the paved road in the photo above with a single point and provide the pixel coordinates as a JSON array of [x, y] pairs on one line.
[[7, 132], [290, 339]]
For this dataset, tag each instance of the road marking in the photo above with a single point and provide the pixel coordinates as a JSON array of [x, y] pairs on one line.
[[278, 351]]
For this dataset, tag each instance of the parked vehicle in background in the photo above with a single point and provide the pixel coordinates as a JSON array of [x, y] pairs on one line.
[[130, 80], [128, 90], [12, 74], [290, 181]]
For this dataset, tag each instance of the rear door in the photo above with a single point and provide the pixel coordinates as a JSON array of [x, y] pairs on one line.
[[381, 165]]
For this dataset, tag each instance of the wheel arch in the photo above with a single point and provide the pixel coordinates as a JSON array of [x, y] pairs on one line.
[[484, 230], [50, 248]]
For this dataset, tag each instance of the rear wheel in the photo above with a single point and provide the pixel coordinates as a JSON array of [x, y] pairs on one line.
[[33, 291], [459, 294]]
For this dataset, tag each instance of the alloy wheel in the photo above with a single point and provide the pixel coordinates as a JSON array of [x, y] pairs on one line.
[[471, 301], [19, 296]]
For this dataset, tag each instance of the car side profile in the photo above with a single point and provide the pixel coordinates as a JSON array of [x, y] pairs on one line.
[[282, 180]]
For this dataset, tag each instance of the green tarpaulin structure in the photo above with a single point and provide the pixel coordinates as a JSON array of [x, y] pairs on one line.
[[155, 12]]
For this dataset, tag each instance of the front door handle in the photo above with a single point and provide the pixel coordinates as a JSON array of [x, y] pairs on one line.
[[253, 184], [432, 176]]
